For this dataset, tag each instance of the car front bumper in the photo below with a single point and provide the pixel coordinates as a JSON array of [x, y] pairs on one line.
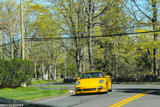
[[97, 89]]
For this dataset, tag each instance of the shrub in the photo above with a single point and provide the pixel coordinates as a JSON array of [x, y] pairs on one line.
[[69, 80], [15, 72], [138, 78]]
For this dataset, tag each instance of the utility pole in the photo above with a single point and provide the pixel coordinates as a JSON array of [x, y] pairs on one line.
[[22, 31]]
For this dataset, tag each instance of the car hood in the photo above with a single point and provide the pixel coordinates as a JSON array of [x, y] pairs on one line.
[[90, 81]]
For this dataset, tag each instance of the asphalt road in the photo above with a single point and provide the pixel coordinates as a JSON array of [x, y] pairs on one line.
[[122, 95]]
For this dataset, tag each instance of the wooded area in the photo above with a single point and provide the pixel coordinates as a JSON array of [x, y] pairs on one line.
[[65, 38]]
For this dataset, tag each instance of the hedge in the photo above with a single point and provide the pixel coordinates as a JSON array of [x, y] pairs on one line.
[[139, 78], [14, 72], [69, 80]]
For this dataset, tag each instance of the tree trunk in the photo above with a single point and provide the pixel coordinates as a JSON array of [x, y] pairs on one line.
[[1, 48], [35, 70], [55, 71], [65, 70], [50, 71], [90, 28], [83, 63], [78, 63], [42, 67], [12, 46]]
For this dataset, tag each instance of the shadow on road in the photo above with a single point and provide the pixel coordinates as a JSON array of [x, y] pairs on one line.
[[138, 90], [89, 94], [17, 103]]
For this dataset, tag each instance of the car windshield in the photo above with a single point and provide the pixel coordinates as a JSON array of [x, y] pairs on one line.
[[92, 75]]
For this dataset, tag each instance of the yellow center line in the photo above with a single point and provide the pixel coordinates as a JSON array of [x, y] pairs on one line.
[[125, 101]]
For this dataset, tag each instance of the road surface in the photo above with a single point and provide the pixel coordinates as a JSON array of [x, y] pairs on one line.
[[124, 95]]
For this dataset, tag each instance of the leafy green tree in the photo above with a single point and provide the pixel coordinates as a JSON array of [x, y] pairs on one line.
[[147, 17], [9, 13], [47, 54]]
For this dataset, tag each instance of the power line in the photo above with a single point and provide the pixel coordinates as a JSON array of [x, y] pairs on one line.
[[58, 38], [85, 37]]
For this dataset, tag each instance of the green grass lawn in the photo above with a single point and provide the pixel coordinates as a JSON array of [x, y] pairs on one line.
[[29, 93]]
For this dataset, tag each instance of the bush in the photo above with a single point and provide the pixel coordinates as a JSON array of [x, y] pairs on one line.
[[69, 80], [15, 72], [138, 78]]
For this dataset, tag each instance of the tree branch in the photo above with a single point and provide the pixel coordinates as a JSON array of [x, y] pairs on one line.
[[106, 8], [141, 10]]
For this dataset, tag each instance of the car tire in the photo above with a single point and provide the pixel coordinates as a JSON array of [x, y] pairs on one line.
[[106, 89], [77, 94], [110, 90]]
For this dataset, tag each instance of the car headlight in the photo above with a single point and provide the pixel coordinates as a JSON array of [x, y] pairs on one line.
[[101, 81], [77, 83]]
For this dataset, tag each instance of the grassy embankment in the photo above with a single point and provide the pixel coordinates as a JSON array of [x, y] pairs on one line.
[[32, 92]]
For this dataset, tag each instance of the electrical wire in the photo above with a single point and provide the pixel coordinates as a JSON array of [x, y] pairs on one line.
[[86, 37]]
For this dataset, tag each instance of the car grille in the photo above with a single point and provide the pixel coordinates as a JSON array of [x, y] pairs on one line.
[[90, 89]]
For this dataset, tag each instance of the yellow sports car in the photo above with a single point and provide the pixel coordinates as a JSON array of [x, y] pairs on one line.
[[93, 81]]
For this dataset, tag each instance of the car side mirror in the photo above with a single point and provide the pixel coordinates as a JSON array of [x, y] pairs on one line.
[[107, 76]]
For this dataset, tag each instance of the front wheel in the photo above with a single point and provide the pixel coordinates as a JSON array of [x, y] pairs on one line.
[[106, 89], [110, 90]]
